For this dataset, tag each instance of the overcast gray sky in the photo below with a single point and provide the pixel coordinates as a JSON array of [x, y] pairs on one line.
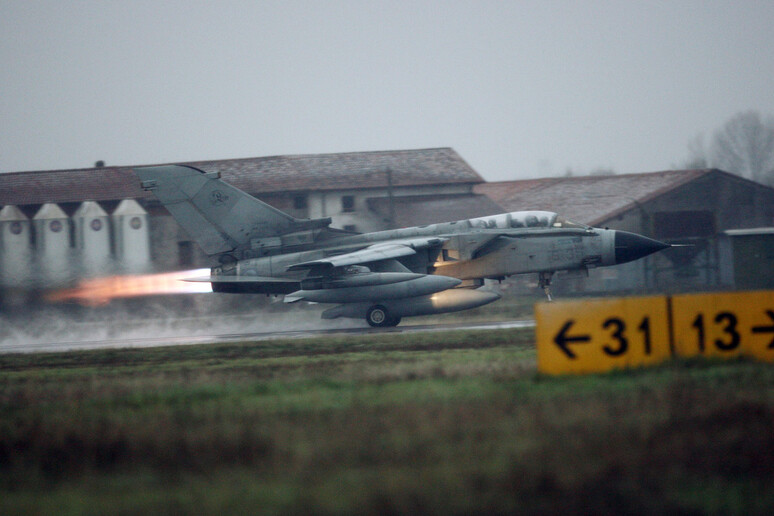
[[519, 89]]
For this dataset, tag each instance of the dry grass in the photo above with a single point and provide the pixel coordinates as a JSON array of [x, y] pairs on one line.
[[428, 423]]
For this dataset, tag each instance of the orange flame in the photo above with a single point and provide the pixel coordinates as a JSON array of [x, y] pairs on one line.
[[100, 291]]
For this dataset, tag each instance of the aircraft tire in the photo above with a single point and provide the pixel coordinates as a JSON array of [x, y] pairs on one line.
[[379, 317], [394, 321]]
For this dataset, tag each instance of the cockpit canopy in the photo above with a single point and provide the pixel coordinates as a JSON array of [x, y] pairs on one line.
[[525, 219]]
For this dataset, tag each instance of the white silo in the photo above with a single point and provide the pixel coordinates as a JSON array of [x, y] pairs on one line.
[[91, 227], [131, 236], [15, 253], [52, 245]]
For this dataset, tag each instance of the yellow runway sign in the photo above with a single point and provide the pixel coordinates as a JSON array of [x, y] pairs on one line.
[[725, 324], [595, 335]]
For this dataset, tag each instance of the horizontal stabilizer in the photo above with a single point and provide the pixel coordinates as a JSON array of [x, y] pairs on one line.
[[240, 279], [249, 284]]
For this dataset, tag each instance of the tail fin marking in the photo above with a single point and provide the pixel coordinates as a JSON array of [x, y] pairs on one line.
[[217, 215]]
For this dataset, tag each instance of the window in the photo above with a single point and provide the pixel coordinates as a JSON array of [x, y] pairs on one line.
[[299, 202], [348, 203]]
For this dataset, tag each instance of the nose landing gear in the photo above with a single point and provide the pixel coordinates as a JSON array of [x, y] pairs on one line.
[[544, 282]]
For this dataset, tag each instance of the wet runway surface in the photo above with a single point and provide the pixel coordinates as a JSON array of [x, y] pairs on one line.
[[146, 342]]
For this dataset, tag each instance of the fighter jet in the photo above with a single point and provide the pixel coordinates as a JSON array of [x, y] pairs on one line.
[[380, 276]]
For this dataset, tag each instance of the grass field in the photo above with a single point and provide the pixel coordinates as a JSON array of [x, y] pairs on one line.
[[438, 423]]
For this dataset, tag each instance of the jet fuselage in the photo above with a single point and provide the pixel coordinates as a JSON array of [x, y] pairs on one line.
[[384, 275]]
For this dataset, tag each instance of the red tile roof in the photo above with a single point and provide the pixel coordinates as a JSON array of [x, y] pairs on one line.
[[588, 199], [353, 170], [97, 184]]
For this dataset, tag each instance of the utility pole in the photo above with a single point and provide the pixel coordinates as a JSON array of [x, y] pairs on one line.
[[391, 199]]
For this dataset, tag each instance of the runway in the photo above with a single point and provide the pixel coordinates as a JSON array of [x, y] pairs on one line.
[[15, 346]]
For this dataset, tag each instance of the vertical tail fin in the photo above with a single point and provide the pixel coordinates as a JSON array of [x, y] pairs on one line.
[[218, 216]]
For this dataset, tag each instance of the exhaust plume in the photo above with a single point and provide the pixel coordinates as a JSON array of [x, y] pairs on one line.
[[100, 291]]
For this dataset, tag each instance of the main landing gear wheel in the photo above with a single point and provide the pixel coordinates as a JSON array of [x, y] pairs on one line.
[[379, 317]]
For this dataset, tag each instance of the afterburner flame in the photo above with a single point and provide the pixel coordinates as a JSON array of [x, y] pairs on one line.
[[100, 291]]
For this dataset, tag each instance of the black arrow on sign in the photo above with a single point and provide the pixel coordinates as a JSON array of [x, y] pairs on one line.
[[562, 339], [766, 329]]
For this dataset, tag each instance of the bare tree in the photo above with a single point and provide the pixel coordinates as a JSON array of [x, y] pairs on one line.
[[745, 146], [697, 154]]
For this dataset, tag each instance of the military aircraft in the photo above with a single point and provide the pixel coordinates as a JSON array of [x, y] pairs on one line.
[[380, 276]]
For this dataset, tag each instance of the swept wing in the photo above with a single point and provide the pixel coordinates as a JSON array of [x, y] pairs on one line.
[[372, 253]]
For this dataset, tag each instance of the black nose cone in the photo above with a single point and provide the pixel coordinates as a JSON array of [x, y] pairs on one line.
[[630, 246]]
